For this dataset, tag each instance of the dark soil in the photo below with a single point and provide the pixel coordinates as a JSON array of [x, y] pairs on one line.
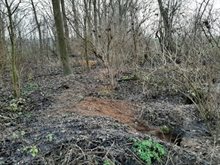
[[81, 119]]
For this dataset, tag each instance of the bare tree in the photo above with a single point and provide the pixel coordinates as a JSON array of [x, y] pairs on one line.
[[2, 24], [76, 18], [2, 41], [199, 16], [37, 24], [65, 23], [61, 37], [86, 33], [95, 12], [133, 28], [12, 7], [168, 11]]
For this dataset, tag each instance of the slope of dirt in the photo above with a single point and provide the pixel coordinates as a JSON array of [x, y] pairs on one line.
[[78, 119], [119, 110]]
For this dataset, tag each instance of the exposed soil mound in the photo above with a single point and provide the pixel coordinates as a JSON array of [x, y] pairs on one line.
[[122, 111]]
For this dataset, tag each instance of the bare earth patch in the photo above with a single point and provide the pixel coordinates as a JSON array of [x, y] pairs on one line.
[[122, 111]]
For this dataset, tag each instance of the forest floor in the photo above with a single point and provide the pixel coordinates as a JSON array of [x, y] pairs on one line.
[[81, 119]]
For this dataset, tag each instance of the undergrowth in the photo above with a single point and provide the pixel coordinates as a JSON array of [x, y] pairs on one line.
[[149, 151], [193, 81]]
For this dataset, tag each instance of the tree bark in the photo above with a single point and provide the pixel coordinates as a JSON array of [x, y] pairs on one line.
[[11, 30], [95, 21], [86, 34], [2, 47], [89, 19], [167, 38], [76, 22], [38, 24], [66, 29], [133, 29], [61, 37], [99, 14]]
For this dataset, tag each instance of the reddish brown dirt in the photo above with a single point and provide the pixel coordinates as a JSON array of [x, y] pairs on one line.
[[122, 111]]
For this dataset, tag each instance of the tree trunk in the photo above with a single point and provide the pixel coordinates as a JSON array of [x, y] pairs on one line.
[[38, 24], [119, 13], [11, 30], [134, 35], [66, 29], [61, 37], [89, 19], [2, 26], [99, 15], [76, 22], [168, 39], [95, 21], [86, 34], [2, 47], [105, 10]]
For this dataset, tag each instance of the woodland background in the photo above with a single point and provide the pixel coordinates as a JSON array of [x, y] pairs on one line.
[[171, 48]]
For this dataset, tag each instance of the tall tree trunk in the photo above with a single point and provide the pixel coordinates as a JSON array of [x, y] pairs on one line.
[[89, 19], [99, 14], [11, 30], [119, 13], [64, 19], [86, 34], [2, 26], [38, 24], [2, 47], [61, 37], [1, 32], [168, 39], [95, 21], [133, 29], [105, 10], [76, 22], [66, 29]]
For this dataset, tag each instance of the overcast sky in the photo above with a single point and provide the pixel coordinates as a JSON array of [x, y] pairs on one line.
[[217, 3], [194, 2]]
